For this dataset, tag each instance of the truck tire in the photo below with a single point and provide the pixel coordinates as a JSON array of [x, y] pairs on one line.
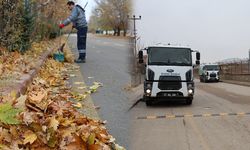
[[148, 101], [189, 101]]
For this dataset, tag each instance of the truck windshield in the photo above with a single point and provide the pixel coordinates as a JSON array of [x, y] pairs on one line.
[[169, 56], [211, 67]]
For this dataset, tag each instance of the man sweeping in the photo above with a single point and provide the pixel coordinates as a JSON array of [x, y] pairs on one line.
[[78, 19]]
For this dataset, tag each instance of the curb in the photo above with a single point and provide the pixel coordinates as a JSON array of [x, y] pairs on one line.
[[88, 104], [21, 86]]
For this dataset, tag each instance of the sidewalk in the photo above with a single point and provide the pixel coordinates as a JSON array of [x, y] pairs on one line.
[[236, 82]]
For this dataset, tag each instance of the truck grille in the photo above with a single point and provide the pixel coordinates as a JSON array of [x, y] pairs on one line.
[[213, 75], [169, 83]]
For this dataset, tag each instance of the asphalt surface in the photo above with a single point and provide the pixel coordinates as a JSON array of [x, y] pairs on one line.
[[218, 119], [108, 62], [205, 125]]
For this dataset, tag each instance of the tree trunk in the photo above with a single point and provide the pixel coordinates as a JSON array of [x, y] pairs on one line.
[[118, 31], [124, 32]]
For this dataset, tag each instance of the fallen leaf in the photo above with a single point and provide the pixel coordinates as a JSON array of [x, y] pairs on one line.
[[29, 137], [82, 87], [8, 114], [78, 83], [67, 122], [97, 107], [53, 123], [37, 97], [21, 102], [94, 87], [52, 139], [13, 94], [5, 135], [78, 144], [1, 69], [77, 105], [13, 131], [91, 139], [27, 117], [94, 147], [72, 75]]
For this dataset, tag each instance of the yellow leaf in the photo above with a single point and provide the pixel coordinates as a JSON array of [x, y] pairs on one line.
[[29, 137], [72, 75], [88, 92], [13, 94], [78, 83], [91, 139], [77, 105], [53, 123], [67, 122], [82, 88]]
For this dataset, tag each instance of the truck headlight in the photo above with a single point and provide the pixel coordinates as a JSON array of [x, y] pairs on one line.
[[190, 91], [148, 88], [148, 91]]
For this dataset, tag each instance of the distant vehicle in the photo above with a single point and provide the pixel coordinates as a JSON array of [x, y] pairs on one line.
[[209, 72], [169, 73]]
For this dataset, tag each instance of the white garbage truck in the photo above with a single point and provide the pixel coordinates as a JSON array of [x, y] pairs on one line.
[[169, 73], [209, 72]]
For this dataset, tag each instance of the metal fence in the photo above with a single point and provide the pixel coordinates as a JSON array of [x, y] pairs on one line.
[[236, 68]]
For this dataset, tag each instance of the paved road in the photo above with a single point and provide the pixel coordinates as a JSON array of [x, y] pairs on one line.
[[196, 133], [108, 63]]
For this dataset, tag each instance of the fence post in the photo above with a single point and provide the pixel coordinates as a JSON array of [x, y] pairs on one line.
[[241, 67], [248, 66]]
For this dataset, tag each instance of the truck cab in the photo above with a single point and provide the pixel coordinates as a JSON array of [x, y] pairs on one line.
[[169, 73], [209, 72]]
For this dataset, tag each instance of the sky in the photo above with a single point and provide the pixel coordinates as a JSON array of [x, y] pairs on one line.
[[219, 29], [89, 7]]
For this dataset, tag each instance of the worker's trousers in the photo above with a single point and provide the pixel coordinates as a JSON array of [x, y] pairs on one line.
[[81, 41]]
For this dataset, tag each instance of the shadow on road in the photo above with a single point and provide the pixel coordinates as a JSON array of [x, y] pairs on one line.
[[169, 103], [162, 103]]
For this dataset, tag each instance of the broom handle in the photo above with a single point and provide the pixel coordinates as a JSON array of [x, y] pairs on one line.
[[69, 35]]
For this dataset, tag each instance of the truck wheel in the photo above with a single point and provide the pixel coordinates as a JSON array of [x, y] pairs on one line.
[[149, 102], [189, 101]]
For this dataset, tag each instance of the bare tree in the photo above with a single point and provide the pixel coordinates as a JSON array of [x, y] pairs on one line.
[[112, 14]]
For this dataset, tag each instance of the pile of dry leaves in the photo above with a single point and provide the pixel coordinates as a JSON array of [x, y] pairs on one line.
[[45, 118], [13, 65]]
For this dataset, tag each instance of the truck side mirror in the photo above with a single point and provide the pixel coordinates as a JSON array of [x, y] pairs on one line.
[[140, 55], [198, 56]]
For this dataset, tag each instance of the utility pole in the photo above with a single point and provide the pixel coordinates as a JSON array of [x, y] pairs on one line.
[[135, 31], [249, 55], [135, 76]]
